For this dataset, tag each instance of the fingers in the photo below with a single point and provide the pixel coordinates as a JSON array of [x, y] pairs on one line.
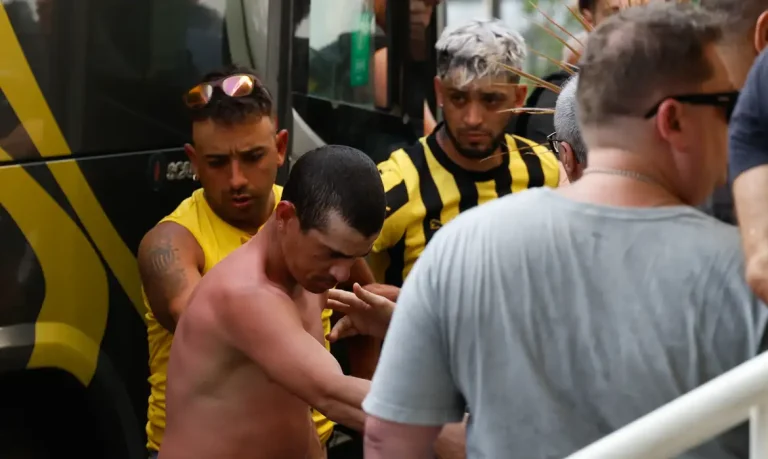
[[344, 299], [344, 328], [376, 301], [337, 306]]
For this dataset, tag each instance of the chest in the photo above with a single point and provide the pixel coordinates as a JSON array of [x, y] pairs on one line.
[[309, 308]]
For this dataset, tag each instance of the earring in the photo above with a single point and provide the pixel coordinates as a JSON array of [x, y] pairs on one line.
[[194, 177]]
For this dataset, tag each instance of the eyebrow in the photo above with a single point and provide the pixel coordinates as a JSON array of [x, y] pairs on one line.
[[252, 151], [480, 92], [345, 255]]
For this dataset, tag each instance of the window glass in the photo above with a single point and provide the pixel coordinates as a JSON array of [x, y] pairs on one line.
[[113, 71], [343, 37]]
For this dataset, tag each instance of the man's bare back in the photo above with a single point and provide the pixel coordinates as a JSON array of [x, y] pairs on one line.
[[220, 402]]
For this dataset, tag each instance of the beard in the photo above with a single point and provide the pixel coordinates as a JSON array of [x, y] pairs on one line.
[[475, 153]]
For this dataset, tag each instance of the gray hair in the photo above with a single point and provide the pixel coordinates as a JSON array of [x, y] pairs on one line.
[[641, 54], [478, 50], [567, 122], [739, 16]]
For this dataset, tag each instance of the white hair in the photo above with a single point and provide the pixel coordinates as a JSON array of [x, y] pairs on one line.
[[477, 50], [566, 120]]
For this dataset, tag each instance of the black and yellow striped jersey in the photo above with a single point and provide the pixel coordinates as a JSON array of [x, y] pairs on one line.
[[426, 190]]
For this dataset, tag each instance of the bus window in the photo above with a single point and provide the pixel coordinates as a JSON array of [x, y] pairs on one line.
[[342, 39], [113, 71]]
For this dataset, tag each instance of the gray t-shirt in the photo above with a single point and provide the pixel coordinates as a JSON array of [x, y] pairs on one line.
[[555, 323]]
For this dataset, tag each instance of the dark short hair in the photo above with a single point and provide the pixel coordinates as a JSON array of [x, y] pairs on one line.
[[233, 110], [337, 178], [640, 55], [739, 16]]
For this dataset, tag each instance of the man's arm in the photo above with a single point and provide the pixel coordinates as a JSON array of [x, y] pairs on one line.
[[748, 162], [416, 443], [385, 439], [413, 391], [170, 261], [260, 325]]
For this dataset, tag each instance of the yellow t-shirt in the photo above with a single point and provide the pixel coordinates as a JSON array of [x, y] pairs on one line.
[[217, 239]]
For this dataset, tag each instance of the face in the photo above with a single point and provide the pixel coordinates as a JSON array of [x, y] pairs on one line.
[[698, 134], [320, 258], [237, 165], [474, 114]]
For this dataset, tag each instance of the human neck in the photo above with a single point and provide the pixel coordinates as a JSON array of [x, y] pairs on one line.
[[620, 178], [470, 164], [275, 266]]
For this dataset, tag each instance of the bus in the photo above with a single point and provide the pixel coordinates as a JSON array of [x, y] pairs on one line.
[[92, 126]]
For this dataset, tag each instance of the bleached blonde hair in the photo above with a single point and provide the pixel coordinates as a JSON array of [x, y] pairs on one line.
[[477, 50]]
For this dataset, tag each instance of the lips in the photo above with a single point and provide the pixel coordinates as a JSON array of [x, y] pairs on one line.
[[476, 136], [241, 201]]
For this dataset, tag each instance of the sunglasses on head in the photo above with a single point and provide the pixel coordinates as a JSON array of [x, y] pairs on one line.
[[725, 100], [239, 85]]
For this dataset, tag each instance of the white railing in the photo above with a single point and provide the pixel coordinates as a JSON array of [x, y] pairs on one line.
[[690, 420]]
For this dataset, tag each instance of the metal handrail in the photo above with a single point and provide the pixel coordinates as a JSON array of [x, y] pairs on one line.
[[690, 420]]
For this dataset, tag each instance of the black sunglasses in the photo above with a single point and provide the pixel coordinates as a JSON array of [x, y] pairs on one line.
[[725, 100]]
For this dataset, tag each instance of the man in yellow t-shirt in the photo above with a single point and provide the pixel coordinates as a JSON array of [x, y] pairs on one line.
[[236, 153]]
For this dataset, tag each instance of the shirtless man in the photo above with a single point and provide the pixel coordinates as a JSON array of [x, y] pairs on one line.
[[248, 360]]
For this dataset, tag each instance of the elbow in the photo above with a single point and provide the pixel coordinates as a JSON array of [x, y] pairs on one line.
[[757, 269], [757, 277], [374, 438], [322, 397]]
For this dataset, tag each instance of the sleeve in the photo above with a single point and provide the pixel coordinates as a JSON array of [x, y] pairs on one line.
[[748, 134], [397, 197], [413, 383]]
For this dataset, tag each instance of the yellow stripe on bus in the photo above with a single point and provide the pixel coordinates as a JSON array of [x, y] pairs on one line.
[[73, 316], [20, 88]]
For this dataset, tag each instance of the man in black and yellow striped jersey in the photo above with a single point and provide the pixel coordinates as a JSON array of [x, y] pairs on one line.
[[468, 159]]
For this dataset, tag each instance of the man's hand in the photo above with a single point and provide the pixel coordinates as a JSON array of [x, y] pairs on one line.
[[366, 313], [389, 292]]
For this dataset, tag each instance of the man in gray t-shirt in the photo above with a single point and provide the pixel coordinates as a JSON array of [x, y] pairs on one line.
[[559, 316]]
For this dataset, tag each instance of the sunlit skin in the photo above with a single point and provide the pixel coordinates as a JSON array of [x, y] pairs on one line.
[[475, 119], [237, 165]]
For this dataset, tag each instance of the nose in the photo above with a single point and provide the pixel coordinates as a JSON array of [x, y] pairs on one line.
[[340, 272], [473, 116], [237, 180]]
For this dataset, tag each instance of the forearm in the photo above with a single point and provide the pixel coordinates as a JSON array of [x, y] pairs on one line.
[[363, 355], [452, 441], [386, 440], [343, 401], [750, 193]]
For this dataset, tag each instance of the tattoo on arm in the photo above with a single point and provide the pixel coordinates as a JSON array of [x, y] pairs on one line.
[[164, 270]]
